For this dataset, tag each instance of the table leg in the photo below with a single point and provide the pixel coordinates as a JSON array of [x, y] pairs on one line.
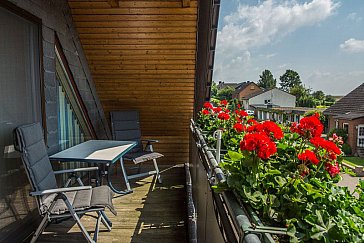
[[128, 188]]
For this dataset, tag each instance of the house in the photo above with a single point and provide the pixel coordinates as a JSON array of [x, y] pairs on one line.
[[67, 64], [282, 114], [271, 97], [348, 113], [245, 89], [222, 85]]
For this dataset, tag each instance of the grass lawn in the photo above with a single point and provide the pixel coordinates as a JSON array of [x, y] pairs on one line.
[[354, 161]]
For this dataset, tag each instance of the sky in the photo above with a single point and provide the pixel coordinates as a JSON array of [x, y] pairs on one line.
[[322, 40]]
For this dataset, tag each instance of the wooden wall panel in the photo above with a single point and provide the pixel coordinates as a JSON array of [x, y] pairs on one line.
[[142, 56]]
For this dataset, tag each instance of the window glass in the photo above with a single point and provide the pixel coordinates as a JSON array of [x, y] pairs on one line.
[[20, 104]]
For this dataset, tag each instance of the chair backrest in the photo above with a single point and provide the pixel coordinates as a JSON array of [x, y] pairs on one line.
[[30, 142], [125, 126]]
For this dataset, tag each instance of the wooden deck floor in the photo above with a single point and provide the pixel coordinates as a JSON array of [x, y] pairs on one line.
[[152, 213]]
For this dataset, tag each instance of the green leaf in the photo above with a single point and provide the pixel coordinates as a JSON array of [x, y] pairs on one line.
[[235, 156], [273, 172], [280, 180]]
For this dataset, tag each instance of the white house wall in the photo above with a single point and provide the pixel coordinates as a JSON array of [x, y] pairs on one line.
[[277, 97]]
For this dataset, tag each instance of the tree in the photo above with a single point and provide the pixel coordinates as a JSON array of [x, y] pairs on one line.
[[299, 91], [290, 79], [266, 80], [225, 93], [320, 95], [214, 89]]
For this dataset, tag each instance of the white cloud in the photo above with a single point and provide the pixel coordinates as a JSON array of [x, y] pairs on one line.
[[353, 45], [354, 17], [268, 21], [258, 25]]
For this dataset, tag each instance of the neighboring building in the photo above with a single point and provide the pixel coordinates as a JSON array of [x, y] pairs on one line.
[[245, 89], [348, 114], [222, 85], [272, 98], [282, 114]]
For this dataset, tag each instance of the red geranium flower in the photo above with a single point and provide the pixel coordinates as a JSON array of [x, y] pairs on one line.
[[329, 146], [252, 121], [208, 105], [217, 109], [205, 112], [223, 116], [239, 127], [308, 155], [332, 169], [268, 127], [238, 106], [223, 102], [260, 143], [309, 127]]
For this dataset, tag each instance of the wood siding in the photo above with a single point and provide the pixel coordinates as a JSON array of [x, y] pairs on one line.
[[142, 56]]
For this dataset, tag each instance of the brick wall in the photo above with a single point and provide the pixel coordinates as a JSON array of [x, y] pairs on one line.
[[352, 131]]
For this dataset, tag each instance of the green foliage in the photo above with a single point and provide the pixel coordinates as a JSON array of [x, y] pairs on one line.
[[319, 95], [289, 80], [346, 149], [339, 132], [330, 98], [214, 89], [225, 93], [266, 80]]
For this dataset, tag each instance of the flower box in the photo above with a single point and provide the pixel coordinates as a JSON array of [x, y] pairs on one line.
[[287, 174]]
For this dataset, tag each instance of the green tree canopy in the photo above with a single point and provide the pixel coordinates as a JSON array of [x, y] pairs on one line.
[[266, 80], [320, 95], [214, 89], [290, 79], [225, 93]]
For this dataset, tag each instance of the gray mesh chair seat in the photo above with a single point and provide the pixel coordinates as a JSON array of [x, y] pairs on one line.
[[126, 127], [94, 198], [54, 202], [142, 156]]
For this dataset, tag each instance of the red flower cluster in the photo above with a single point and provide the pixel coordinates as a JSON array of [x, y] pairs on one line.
[[329, 146], [223, 102], [308, 155], [332, 169], [252, 121], [239, 127], [309, 127], [217, 109], [205, 112], [208, 105], [241, 113], [260, 143], [223, 116], [269, 128]]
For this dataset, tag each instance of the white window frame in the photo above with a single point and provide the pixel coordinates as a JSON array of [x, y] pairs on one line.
[[361, 145], [343, 126]]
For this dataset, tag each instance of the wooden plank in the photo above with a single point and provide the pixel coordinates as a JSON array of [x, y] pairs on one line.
[[111, 3], [136, 11], [109, 18], [144, 66], [128, 4], [133, 23], [117, 30], [139, 36], [186, 3], [138, 41]]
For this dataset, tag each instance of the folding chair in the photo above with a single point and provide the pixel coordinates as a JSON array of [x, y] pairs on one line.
[[125, 126], [54, 202]]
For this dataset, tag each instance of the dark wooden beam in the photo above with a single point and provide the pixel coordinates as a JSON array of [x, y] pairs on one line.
[[186, 3], [113, 3]]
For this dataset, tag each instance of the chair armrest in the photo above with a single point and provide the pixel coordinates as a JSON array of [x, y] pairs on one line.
[[150, 140], [60, 190], [76, 170]]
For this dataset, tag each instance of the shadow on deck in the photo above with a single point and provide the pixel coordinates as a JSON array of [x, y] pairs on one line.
[[152, 213]]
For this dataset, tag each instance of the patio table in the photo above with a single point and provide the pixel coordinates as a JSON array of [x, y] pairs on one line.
[[105, 152]]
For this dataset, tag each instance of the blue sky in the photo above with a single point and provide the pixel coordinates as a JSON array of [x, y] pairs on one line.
[[323, 40]]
